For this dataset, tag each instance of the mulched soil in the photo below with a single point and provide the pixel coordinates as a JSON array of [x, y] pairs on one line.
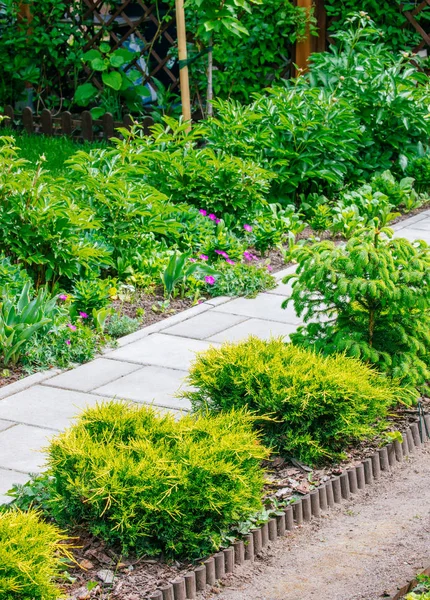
[[11, 375], [135, 579]]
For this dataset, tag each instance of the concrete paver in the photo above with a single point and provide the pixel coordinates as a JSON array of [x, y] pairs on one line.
[[92, 375], [161, 350], [205, 325], [149, 385], [148, 367]]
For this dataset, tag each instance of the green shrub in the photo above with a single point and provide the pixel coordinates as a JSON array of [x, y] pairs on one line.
[[12, 277], [154, 484], [317, 405], [119, 325], [241, 279], [375, 295], [419, 169], [30, 557]]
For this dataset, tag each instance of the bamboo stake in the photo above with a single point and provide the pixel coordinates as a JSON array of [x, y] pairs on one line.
[[182, 50], [303, 48]]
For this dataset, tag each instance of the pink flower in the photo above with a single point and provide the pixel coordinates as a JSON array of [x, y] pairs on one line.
[[209, 279], [71, 327], [217, 221], [247, 227], [212, 217], [203, 212], [248, 256], [83, 315], [192, 259], [68, 342], [203, 257], [63, 297], [221, 253], [269, 268], [229, 261]]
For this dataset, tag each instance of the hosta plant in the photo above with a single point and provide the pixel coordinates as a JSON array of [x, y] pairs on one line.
[[374, 297]]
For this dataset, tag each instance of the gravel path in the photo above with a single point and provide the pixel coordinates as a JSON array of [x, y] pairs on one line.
[[359, 551]]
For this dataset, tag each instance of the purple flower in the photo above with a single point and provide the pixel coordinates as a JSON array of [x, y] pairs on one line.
[[212, 217], [83, 315], [209, 279], [203, 212], [71, 327], [203, 257], [217, 221], [247, 227], [192, 259], [269, 268], [248, 256], [63, 297], [222, 253], [68, 342], [229, 261]]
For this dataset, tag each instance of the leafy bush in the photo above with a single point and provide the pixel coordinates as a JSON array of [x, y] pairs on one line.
[[311, 407], [12, 277], [419, 169], [154, 484], [375, 296], [305, 136], [119, 325], [241, 279], [91, 294], [30, 557], [385, 91], [40, 226], [399, 193]]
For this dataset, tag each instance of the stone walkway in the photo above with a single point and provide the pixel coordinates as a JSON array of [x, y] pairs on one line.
[[148, 366]]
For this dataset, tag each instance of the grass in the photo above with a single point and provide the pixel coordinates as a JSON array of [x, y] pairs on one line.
[[56, 149]]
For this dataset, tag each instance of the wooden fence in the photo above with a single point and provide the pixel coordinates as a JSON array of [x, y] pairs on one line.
[[81, 126]]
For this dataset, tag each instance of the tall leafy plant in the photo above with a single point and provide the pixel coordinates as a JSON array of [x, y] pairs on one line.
[[369, 299]]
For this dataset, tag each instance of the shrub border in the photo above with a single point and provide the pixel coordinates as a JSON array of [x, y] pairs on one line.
[[302, 511]]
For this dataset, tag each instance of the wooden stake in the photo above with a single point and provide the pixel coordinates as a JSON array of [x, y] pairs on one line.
[[182, 51], [304, 48]]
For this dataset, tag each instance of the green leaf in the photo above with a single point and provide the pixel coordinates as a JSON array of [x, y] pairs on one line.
[[98, 64], [117, 61], [105, 48], [112, 80], [85, 93], [97, 112]]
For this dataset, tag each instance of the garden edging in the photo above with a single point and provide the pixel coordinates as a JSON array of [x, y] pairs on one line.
[[302, 511]]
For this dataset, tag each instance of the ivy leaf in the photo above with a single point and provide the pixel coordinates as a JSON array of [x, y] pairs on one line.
[[112, 80]]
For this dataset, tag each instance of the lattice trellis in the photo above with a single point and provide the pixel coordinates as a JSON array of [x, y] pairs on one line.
[[411, 14], [152, 27]]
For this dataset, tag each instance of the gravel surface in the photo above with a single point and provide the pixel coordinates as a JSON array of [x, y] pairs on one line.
[[362, 550]]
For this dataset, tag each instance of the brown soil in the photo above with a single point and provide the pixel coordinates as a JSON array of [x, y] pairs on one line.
[[363, 550], [11, 375]]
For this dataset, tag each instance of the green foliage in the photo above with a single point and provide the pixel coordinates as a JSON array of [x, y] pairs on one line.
[[12, 277], [119, 325], [310, 407], [20, 318], [306, 136], [91, 294], [154, 484], [179, 269], [118, 84], [34, 494], [385, 91], [246, 64], [241, 279], [398, 33], [399, 193], [373, 294], [419, 169], [422, 590], [40, 225], [30, 557], [63, 345]]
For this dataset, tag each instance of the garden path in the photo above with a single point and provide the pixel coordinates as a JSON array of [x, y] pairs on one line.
[[148, 367]]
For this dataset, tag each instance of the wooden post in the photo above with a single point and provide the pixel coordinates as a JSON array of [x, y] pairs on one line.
[[183, 71], [304, 48]]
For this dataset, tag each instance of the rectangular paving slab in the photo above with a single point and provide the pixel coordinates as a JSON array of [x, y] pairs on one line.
[[205, 325], [45, 406], [92, 375], [162, 351], [21, 446], [264, 306], [149, 385], [257, 327]]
